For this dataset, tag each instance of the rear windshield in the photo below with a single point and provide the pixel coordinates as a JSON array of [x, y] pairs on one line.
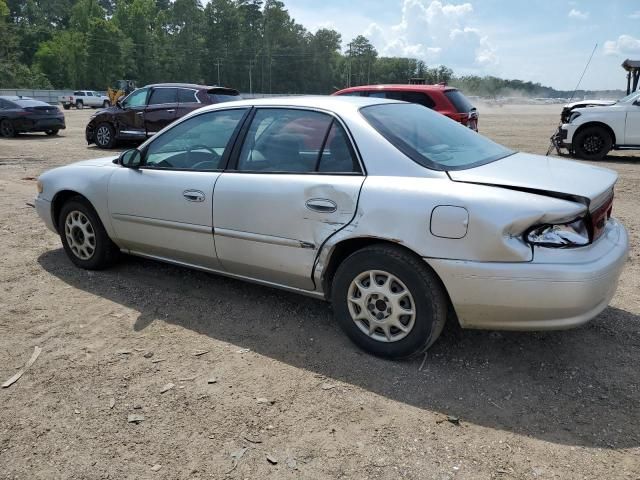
[[30, 103], [219, 96], [431, 139], [462, 103]]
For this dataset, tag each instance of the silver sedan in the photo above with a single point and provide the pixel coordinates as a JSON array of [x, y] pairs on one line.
[[400, 217]]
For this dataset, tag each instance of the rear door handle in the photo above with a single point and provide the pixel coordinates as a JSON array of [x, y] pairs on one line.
[[171, 111], [193, 195], [322, 205], [140, 113]]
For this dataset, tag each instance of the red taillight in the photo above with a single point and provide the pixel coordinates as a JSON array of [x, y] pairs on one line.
[[599, 218]]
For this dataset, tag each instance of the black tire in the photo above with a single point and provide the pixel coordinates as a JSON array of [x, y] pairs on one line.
[[104, 135], [592, 143], [7, 130], [52, 133], [427, 299], [106, 104], [79, 105], [103, 252], [66, 106]]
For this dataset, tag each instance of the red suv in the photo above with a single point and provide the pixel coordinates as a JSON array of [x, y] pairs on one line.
[[441, 98]]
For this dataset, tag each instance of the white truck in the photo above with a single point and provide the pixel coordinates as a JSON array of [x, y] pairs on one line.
[[592, 128], [84, 98]]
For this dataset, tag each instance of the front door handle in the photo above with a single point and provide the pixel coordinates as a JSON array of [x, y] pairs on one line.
[[171, 111], [322, 205], [140, 113], [193, 195]]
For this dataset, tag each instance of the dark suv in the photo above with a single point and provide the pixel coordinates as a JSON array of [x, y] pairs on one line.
[[147, 110], [441, 98]]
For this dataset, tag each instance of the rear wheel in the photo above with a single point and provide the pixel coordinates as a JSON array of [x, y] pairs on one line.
[[66, 106], [105, 136], [52, 132], [389, 302], [592, 143], [7, 129], [83, 236]]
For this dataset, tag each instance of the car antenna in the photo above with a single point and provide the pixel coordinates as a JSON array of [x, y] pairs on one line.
[[583, 72]]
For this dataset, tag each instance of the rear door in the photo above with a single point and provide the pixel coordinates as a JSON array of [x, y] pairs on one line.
[[164, 208], [632, 127], [295, 181], [161, 109]]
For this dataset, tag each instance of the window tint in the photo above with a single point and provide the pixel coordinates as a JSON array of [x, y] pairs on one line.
[[160, 96], [337, 156], [431, 139], [282, 140], [89, 94], [462, 103], [137, 98], [354, 94], [187, 96], [79, 94], [198, 143]]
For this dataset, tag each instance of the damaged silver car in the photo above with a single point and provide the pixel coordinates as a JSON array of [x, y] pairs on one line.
[[400, 217]]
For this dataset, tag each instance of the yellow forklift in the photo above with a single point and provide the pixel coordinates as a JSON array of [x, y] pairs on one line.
[[120, 89]]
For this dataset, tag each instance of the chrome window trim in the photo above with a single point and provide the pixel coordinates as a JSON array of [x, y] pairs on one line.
[[195, 95]]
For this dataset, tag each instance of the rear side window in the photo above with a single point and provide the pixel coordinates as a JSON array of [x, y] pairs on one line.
[[295, 141], [79, 94], [163, 95], [462, 103], [187, 96], [412, 97], [354, 94]]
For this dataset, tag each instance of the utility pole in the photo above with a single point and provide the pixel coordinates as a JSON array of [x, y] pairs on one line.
[[218, 65], [250, 84], [349, 68]]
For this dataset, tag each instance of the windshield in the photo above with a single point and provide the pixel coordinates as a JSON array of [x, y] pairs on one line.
[[431, 139], [630, 98]]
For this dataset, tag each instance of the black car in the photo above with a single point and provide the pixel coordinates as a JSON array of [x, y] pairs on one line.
[[147, 110], [24, 114]]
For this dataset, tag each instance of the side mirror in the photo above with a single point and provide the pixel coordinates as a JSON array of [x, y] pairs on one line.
[[119, 104], [130, 158]]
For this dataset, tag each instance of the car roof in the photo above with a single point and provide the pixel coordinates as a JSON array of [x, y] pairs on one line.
[[322, 102], [13, 98], [399, 87], [185, 85]]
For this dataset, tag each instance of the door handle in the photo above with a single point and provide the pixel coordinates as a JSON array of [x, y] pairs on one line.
[[193, 195], [140, 113], [322, 205], [171, 111]]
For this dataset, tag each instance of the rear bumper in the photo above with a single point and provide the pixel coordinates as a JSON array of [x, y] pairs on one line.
[[39, 125], [559, 289]]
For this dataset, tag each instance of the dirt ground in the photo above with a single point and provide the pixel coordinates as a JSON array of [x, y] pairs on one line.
[[290, 388]]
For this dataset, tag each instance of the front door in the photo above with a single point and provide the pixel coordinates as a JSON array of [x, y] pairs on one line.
[[296, 181], [164, 208], [130, 121], [632, 128], [161, 109]]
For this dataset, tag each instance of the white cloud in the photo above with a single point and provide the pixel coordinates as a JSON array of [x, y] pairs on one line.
[[578, 15], [635, 15], [624, 45], [436, 32]]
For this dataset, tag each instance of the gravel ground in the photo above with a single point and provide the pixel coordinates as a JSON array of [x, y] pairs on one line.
[[292, 397]]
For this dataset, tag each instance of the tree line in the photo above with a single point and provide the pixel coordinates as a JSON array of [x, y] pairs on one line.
[[250, 45]]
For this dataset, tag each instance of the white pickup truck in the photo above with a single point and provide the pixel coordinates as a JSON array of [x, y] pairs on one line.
[[84, 98], [592, 128]]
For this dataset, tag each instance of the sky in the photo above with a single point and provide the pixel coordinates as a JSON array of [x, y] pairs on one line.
[[546, 41]]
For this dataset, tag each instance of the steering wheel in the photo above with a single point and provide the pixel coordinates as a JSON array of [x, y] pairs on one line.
[[211, 163]]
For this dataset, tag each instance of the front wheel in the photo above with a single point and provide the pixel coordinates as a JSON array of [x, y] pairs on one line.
[[52, 133], [389, 302], [83, 236], [106, 104], [105, 136], [79, 105], [66, 106], [7, 129], [592, 143]]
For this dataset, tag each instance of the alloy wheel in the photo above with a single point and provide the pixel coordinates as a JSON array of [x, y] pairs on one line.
[[593, 144], [80, 235], [381, 306], [103, 135], [6, 129]]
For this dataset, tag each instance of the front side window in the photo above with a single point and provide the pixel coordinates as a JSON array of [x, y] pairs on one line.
[[160, 96], [136, 99], [431, 139], [198, 143], [295, 141]]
